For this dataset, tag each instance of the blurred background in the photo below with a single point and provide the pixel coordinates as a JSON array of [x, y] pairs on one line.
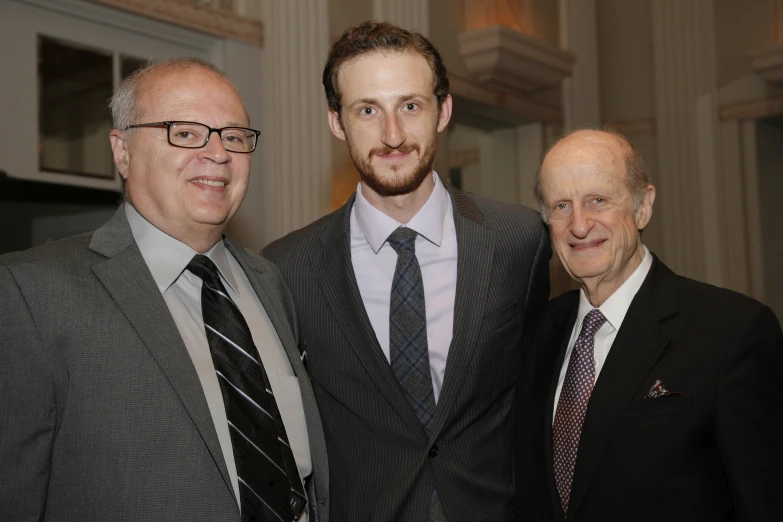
[[696, 85]]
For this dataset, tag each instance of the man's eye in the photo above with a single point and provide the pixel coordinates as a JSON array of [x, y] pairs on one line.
[[411, 106], [599, 200], [184, 134], [367, 110], [560, 206]]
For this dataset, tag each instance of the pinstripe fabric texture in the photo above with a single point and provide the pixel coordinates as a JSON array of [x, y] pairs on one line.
[[383, 465], [109, 416]]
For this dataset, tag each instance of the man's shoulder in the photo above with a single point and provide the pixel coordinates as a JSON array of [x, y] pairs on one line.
[[495, 209], [51, 257], [519, 228], [302, 241], [710, 301]]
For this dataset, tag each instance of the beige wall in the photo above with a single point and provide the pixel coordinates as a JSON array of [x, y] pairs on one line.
[[625, 60], [770, 160], [741, 26], [344, 14], [447, 20]]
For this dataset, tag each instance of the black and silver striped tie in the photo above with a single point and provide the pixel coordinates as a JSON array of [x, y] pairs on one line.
[[269, 485]]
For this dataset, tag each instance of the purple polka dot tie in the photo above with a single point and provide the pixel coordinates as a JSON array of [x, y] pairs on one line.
[[571, 408]]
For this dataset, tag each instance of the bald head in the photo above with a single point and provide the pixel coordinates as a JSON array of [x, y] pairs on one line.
[[126, 104], [588, 185], [576, 149]]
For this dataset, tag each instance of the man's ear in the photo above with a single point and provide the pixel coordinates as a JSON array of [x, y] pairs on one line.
[[119, 150], [644, 213], [335, 124], [445, 113]]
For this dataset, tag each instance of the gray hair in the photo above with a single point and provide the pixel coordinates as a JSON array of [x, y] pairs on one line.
[[637, 177], [124, 103]]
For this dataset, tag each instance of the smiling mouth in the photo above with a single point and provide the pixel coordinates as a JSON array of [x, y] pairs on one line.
[[393, 156], [584, 246], [210, 182]]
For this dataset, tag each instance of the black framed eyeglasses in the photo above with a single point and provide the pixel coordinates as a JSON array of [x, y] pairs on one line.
[[192, 135]]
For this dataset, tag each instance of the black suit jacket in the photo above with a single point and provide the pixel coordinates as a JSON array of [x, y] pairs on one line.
[[383, 466], [713, 453]]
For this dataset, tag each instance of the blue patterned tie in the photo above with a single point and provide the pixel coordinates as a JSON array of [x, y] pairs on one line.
[[269, 486], [408, 351]]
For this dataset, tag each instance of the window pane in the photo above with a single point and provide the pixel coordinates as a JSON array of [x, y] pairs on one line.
[[75, 84]]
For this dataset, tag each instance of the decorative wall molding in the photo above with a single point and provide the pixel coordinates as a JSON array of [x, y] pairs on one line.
[[688, 176], [768, 63], [507, 58], [512, 13], [753, 109], [185, 13], [296, 140], [581, 92], [501, 104]]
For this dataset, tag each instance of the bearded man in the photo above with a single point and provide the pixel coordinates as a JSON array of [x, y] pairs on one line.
[[412, 300]]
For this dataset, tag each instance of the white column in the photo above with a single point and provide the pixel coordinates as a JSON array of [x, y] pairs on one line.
[[297, 171], [413, 15], [689, 187], [581, 100]]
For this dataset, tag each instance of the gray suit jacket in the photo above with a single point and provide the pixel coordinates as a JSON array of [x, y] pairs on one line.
[[102, 414], [383, 466]]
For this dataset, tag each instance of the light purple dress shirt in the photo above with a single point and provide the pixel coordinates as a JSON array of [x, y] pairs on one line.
[[374, 262]]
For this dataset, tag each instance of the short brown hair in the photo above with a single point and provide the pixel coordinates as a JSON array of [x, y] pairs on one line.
[[380, 37], [637, 177]]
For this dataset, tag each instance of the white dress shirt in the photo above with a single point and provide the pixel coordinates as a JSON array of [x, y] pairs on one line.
[[167, 258], [614, 309], [374, 262]]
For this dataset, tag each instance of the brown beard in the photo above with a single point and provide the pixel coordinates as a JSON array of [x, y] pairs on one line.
[[399, 184]]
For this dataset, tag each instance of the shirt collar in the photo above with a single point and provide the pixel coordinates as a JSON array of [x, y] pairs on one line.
[[428, 221], [615, 308], [167, 257]]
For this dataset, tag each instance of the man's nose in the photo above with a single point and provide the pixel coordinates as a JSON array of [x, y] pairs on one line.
[[214, 149], [581, 222], [393, 133]]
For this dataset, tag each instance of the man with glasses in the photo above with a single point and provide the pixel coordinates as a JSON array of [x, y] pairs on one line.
[[150, 370]]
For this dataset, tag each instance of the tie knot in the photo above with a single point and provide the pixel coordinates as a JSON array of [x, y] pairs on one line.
[[592, 322], [403, 238], [204, 268]]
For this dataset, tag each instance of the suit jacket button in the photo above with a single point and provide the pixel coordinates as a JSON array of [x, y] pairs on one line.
[[434, 451]]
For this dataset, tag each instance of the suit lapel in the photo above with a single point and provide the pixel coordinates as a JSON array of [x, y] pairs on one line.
[[334, 272], [269, 296], [475, 249], [562, 324], [638, 345], [128, 280]]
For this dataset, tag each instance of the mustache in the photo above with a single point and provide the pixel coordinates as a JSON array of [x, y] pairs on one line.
[[402, 149]]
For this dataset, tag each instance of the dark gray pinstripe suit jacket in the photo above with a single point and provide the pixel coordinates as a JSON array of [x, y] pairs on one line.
[[102, 414], [383, 466]]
